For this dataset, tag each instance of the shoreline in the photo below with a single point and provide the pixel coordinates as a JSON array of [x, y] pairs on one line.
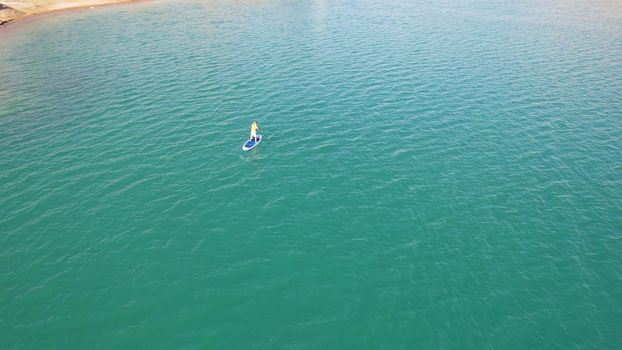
[[95, 4]]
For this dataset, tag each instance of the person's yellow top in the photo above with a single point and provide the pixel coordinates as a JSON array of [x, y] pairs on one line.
[[254, 127]]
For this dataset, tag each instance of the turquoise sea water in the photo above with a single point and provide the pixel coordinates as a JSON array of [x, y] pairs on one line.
[[436, 175]]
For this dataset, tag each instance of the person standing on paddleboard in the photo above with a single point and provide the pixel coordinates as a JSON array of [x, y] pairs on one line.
[[254, 128]]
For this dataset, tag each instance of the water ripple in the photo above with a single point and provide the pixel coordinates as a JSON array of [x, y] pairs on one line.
[[436, 175]]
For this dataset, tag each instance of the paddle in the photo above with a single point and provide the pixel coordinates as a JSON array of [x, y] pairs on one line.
[[265, 134]]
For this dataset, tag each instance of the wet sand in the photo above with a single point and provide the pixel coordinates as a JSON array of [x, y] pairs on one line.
[[12, 11]]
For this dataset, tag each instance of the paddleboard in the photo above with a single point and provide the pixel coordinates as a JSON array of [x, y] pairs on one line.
[[250, 144]]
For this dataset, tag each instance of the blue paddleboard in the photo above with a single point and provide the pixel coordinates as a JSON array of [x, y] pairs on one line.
[[250, 144]]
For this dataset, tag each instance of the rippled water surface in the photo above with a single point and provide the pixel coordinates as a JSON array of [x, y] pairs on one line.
[[436, 175]]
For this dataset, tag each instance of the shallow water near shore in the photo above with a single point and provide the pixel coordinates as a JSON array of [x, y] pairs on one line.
[[442, 175]]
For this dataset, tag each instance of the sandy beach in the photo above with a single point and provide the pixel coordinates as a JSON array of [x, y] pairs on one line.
[[11, 10]]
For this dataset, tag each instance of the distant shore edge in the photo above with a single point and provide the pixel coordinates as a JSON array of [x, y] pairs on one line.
[[11, 14]]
